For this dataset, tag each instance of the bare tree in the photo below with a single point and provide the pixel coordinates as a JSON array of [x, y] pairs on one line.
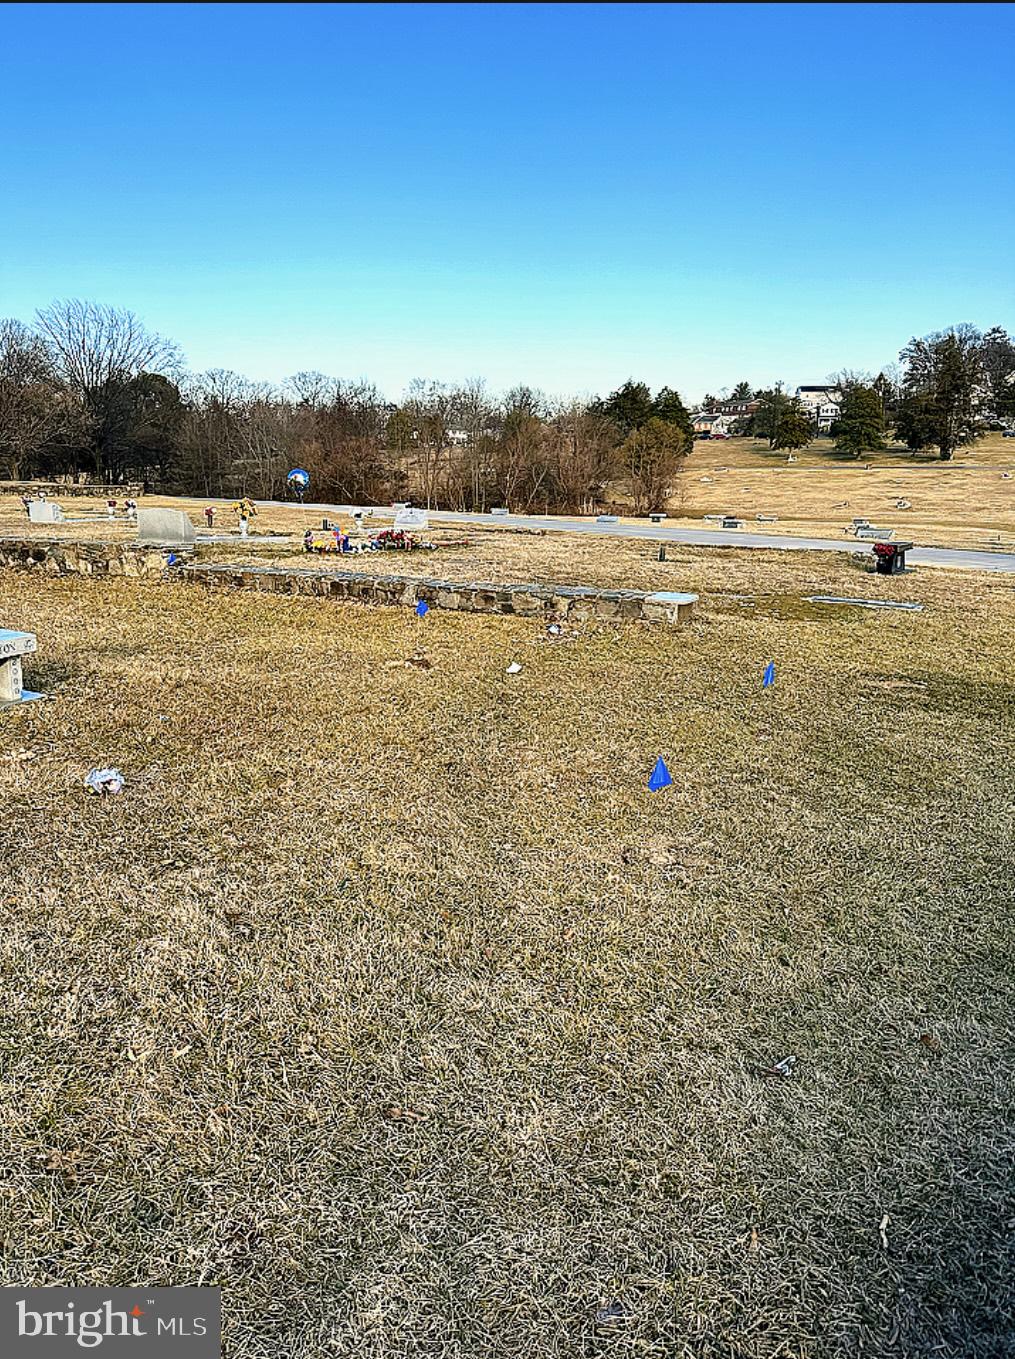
[[651, 456], [97, 351], [35, 413], [520, 457], [584, 455], [311, 389], [341, 439], [429, 412]]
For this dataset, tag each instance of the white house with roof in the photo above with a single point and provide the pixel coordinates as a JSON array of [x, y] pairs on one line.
[[821, 404]]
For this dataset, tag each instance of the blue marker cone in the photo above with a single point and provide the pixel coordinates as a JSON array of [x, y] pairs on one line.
[[768, 679], [660, 776], [422, 609]]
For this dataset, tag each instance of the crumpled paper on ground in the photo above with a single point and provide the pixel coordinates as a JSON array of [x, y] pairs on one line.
[[104, 781]]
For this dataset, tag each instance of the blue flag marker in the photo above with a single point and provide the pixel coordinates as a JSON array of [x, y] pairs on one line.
[[660, 776], [768, 679], [422, 609]]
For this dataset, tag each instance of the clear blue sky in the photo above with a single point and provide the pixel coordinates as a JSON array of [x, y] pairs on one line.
[[564, 195]]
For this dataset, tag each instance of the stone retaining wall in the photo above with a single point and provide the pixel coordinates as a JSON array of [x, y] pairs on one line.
[[59, 489], [60, 557], [571, 601]]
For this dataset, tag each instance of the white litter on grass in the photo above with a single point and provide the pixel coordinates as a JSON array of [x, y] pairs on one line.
[[513, 669], [104, 781], [783, 1068]]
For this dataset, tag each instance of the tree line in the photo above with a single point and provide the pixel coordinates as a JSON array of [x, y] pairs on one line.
[[948, 389], [88, 392]]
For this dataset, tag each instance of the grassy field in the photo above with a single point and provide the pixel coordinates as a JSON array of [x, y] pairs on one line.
[[387, 997], [968, 503]]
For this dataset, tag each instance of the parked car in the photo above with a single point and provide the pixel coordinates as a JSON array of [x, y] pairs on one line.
[[1008, 434]]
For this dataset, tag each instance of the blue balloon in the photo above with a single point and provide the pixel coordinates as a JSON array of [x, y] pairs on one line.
[[422, 609]]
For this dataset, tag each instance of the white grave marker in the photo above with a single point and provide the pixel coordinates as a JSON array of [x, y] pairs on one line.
[[14, 645], [167, 528], [44, 512]]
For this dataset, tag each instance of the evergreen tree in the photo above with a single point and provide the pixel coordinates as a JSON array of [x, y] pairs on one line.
[[916, 421], [669, 407], [944, 373], [887, 394], [629, 406], [742, 392], [794, 429], [997, 354], [775, 402], [861, 423]]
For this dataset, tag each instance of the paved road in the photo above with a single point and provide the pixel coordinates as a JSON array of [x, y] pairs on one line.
[[966, 558]]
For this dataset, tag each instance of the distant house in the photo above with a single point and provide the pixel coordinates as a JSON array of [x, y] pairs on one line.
[[726, 417], [821, 404], [743, 409], [715, 423]]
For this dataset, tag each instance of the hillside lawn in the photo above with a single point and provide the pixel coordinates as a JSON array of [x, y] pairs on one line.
[[390, 1000], [964, 503]]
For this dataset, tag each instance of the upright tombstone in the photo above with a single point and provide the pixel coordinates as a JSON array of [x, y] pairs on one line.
[[164, 528], [14, 645], [412, 519], [44, 512]]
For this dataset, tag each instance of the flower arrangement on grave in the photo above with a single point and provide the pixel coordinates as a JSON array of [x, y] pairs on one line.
[[397, 539], [325, 540]]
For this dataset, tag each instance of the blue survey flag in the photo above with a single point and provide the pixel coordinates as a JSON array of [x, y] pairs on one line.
[[422, 609], [660, 776], [768, 679]]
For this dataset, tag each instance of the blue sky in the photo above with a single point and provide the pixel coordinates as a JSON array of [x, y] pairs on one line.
[[565, 195]]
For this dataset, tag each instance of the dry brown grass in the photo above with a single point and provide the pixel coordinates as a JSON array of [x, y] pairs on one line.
[[390, 999], [965, 504]]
